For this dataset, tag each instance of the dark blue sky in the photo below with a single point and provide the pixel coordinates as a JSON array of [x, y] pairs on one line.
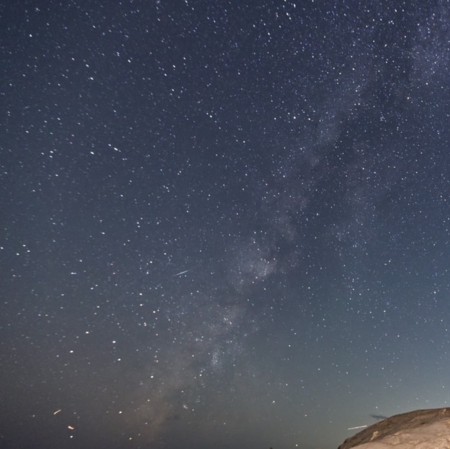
[[223, 224]]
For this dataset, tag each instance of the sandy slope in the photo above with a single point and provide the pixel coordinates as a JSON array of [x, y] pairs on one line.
[[420, 429], [430, 436]]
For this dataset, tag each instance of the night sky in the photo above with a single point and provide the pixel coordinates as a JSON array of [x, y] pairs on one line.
[[223, 224]]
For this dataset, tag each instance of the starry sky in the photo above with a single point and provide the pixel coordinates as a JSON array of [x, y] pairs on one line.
[[223, 224]]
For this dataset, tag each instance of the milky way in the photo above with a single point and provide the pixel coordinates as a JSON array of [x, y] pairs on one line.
[[223, 224]]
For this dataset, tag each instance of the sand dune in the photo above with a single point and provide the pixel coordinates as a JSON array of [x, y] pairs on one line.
[[420, 429]]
